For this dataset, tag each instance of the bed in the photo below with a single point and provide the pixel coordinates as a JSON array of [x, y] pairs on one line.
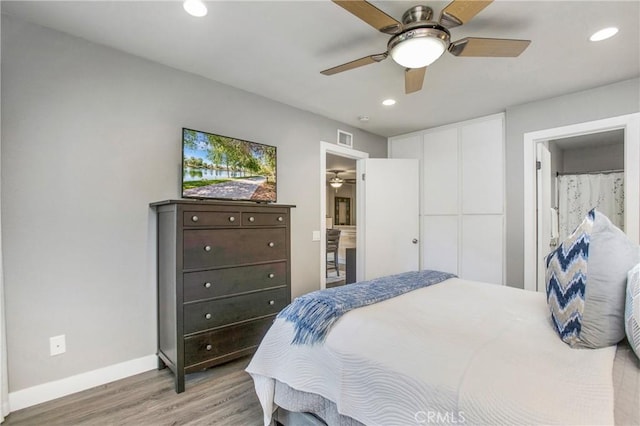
[[454, 352]]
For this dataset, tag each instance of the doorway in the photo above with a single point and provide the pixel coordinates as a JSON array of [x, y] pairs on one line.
[[588, 171], [538, 203], [333, 205], [576, 174], [341, 220]]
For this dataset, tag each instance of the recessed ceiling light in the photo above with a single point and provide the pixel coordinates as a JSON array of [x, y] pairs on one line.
[[363, 118], [604, 34], [195, 8], [389, 102]]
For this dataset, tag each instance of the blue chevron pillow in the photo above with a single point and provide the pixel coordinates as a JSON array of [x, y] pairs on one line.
[[586, 281], [566, 280]]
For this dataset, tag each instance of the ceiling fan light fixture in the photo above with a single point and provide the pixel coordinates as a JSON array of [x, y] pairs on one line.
[[419, 47], [195, 8], [336, 182]]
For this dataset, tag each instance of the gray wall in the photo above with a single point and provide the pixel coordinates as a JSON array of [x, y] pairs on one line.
[[90, 137], [602, 102], [597, 158]]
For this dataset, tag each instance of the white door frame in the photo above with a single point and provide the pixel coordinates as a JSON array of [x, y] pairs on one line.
[[543, 204], [630, 123], [332, 148]]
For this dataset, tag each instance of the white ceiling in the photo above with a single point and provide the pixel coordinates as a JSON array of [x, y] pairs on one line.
[[278, 48]]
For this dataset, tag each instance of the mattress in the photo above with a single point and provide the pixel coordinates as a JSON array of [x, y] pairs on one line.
[[458, 351]]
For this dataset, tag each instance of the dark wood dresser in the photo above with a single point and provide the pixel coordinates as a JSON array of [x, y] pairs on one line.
[[224, 272]]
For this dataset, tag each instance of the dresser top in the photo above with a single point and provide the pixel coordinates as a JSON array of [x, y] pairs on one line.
[[219, 203]]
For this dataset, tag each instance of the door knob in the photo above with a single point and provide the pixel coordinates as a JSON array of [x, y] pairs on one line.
[[414, 241]]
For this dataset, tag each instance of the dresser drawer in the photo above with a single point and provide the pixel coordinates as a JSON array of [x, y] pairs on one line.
[[206, 346], [221, 282], [203, 218], [215, 313], [264, 219], [210, 248]]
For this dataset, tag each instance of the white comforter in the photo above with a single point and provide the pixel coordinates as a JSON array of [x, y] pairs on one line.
[[455, 352]]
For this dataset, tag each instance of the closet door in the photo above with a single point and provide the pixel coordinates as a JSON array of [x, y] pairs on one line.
[[440, 176], [440, 193], [482, 165], [482, 213], [462, 186], [481, 251], [440, 243]]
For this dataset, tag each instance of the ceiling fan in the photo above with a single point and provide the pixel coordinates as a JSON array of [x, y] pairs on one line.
[[418, 41], [336, 181]]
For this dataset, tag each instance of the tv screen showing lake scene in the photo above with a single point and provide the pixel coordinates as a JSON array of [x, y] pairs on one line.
[[220, 167]]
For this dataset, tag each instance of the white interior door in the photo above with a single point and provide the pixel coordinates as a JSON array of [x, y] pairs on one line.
[[543, 187], [388, 220]]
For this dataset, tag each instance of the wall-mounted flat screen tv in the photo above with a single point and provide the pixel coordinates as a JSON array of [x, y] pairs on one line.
[[224, 168]]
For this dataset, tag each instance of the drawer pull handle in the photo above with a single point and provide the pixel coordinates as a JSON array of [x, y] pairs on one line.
[[272, 302], [280, 218], [252, 219], [271, 275], [271, 244], [207, 316], [194, 218], [207, 285], [209, 347], [232, 219], [207, 248]]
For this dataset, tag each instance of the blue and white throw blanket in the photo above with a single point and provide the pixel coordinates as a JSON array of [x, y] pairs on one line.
[[315, 313]]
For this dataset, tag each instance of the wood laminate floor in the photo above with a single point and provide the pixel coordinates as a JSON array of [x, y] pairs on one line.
[[222, 395], [335, 280]]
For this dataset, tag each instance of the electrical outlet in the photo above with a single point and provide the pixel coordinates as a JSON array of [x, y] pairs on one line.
[[57, 345], [315, 236]]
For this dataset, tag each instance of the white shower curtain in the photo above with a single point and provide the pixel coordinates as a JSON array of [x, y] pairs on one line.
[[579, 193]]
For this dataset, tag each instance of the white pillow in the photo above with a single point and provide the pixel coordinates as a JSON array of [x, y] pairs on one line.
[[632, 309]]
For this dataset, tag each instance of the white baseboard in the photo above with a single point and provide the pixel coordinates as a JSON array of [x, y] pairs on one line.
[[48, 391]]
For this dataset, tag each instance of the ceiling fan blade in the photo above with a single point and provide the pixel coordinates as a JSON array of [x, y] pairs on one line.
[[488, 47], [413, 79], [460, 12], [355, 64], [371, 15]]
